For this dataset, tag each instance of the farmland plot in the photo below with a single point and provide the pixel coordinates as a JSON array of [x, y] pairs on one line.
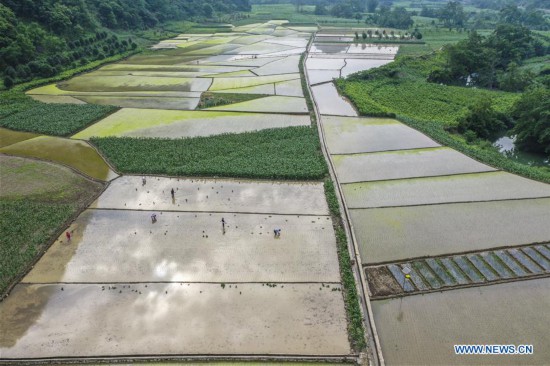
[[175, 124], [398, 233], [487, 186], [498, 314], [346, 135], [75, 154]]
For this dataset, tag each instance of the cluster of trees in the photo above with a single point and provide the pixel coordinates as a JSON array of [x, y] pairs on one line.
[[492, 61], [452, 15], [529, 17], [43, 37], [529, 120], [397, 17]]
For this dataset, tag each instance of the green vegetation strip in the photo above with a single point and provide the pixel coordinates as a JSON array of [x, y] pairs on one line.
[[26, 227], [55, 119], [209, 100], [351, 297], [284, 153]]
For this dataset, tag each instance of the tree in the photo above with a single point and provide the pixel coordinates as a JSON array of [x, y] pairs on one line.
[[482, 119], [207, 10], [364, 35], [371, 5], [452, 15], [320, 9], [514, 79], [8, 82], [532, 115]]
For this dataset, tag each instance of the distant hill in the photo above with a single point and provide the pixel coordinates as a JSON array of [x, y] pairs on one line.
[[44, 37]]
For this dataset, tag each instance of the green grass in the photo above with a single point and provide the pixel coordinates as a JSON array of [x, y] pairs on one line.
[[400, 88], [209, 100], [285, 153]]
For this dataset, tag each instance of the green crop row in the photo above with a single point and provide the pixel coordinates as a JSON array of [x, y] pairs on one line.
[[26, 227], [351, 297], [356, 330], [209, 99], [56, 119], [283, 153]]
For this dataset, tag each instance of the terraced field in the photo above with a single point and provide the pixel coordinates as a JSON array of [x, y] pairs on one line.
[[172, 267], [427, 218]]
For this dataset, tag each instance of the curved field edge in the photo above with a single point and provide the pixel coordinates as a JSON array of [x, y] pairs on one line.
[[35, 210], [399, 88], [290, 153]]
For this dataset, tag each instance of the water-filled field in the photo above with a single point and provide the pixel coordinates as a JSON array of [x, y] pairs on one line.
[[398, 233], [405, 164], [422, 330], [214, 195], [330, 102], [473, 187], [191, 247], [348, 135], [174, 124], [172, 318]]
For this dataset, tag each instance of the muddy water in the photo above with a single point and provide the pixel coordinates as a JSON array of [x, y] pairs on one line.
[[456, 188], [207, 195], [347, 135], [191, 247], [76, 154], [391, 234], [404, 164], [421, 330], [139, 319], [330, 102]]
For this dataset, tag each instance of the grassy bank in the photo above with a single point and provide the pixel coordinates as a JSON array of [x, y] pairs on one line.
[[283, 153]]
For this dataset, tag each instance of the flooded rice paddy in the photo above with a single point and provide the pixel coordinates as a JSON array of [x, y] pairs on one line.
[[411, 198], [175, 124], [488, 186], [405, 164], [9, 137], [259, 60], [330, 102], [214, 195], [191, 247], [398, 233], [348, 135], [78, 320], [422, 329]]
